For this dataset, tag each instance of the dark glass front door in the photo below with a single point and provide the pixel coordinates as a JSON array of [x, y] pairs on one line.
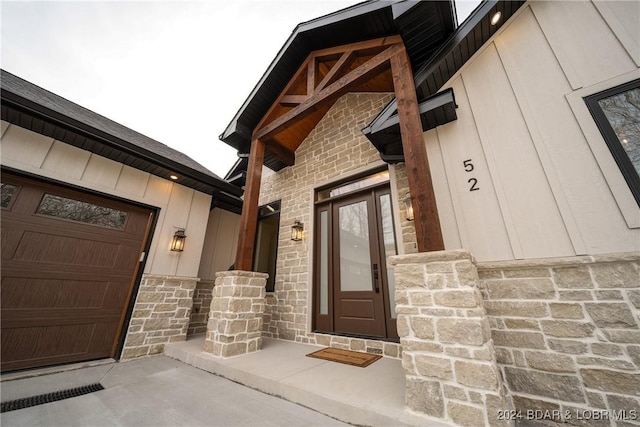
[[354, 291]]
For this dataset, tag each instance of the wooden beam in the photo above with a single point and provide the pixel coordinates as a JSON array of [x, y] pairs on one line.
[[282, 153], [303, 69], [425, 210], [367, 44], [335, 69], [311, 76], [334, 90], [249, 218], [293, 99]]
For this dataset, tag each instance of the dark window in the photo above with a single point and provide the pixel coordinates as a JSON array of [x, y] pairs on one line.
[[266, 247], [8, 191], [75, 210], [616, 111]]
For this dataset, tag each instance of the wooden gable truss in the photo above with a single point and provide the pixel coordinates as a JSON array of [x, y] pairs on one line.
[[379, 65]]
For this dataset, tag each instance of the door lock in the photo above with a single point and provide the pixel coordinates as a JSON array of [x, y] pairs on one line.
[[375, 278]]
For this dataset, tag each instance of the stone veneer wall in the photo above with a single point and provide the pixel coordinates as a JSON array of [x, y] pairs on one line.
[[334, 149], [567, 337], [160, 315], [201, 306]]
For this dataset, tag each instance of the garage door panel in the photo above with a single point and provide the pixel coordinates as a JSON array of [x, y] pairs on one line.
[[55, 271], [41, 346], [37, 224], [10, 240], [17, 319], [46, 293], [66, 283], [51, 248]]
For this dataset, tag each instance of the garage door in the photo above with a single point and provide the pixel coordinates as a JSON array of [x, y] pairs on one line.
[[69, 263]]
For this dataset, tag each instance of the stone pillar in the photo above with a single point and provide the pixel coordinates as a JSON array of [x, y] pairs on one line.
[[447, 351], [235, 319]]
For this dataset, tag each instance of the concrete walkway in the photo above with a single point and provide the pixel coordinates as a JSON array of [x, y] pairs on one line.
[[154, 391], [371, 396]]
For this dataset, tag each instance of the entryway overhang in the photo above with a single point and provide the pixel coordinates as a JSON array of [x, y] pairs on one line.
[[370, 47], [422, 25]]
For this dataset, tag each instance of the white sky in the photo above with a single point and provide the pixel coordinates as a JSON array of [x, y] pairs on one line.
[[175, 71]]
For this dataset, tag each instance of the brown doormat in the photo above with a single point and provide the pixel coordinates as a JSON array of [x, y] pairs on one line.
[[348, 357]]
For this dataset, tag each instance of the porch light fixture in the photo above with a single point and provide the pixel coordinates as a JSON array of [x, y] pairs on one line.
[[177, 241], [296, 231], [408, 207], [496, 18], [173, 177]]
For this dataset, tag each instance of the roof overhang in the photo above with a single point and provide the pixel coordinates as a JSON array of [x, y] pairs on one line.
[[384, 134], [422, 25], [33, 108], [436, 110]]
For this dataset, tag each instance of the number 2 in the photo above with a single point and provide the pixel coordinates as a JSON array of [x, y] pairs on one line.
[[474, 184]]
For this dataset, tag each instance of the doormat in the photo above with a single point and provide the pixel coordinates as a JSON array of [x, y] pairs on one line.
[[348, 357], [41, 399]]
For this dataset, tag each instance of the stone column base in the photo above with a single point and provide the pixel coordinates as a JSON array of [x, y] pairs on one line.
[[235, 319], [447, 352]]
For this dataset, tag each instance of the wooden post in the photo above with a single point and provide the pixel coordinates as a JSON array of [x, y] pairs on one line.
[[423, 198], [249, 219]]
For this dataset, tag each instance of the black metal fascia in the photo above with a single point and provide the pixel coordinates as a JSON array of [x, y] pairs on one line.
[[436, 101], [33, 109], [392, 159], [388, 131], [389, 117], [462, 32]]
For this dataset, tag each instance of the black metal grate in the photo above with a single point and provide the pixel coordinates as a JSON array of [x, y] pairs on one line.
[[26, 402]]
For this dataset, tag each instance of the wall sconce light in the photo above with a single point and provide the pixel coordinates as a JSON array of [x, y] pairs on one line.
[[408, 207], [296, 231], [177, 241]]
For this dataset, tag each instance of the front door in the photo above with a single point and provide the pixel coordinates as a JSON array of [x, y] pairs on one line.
[[354, 290]]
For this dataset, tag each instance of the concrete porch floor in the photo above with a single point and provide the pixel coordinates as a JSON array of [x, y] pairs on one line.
[[371, 396]]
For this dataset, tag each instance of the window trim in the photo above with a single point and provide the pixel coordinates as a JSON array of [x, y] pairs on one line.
[[611, 139], [613, 177]]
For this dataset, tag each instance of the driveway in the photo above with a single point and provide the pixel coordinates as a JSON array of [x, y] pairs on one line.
[[154, 391]]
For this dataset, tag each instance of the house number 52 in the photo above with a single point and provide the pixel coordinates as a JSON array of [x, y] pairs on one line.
[[468, 167]]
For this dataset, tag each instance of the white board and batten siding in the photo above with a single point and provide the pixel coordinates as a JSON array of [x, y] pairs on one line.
[[180, 206], [221, 243], [529, 175]]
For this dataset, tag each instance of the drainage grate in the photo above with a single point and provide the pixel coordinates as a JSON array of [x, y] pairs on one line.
[[26, 402]]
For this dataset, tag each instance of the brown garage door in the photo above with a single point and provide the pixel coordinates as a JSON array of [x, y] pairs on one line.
[[69, 262]]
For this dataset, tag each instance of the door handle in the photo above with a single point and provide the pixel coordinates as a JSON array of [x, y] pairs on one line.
[[375, 278]]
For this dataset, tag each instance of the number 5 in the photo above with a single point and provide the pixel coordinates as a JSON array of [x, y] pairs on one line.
[[468, 166]]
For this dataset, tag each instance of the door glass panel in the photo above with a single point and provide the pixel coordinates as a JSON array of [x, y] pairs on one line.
[[389, 239], [324, 262], [8, 191], [76, 210], [349, 187], [355, 258]]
